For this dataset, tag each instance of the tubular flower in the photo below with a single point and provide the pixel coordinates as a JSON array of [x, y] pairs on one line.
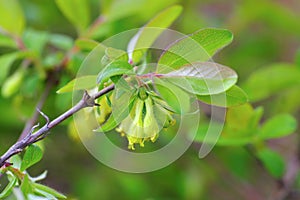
[[147, 117]]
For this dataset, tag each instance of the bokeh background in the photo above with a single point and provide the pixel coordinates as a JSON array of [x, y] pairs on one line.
[[266, 32]]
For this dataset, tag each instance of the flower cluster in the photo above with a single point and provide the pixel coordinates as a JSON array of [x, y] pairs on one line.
[[147, 117]]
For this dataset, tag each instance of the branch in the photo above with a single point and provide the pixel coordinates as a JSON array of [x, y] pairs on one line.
[[30, 138], [30, 123]]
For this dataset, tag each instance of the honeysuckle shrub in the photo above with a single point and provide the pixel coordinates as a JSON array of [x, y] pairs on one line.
[[29, 55]]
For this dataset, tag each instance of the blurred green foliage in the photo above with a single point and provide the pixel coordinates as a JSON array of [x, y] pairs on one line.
[[264, 52]]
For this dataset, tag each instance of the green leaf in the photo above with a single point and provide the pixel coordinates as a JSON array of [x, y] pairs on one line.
[[86, 44], [241, 125], [11, 17], [77, 12], [112, 54], [13, 83], [26, 186], [203, 78], [5, 64], [35, 40], [63, 42], [32, 155], [115, 68], [146, 36], [271, 80], [8, 189], [272, 161], [81, 83], [199, 46], [120, 9], [52, 60], [49, 191], [279, 126], [175, 97], [233, 97]]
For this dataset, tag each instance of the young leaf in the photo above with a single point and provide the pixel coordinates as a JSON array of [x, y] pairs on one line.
[[272, 161], [233, 97], [5, 63], [81, 83], [173, 95], [87, 44], [239, 128], [199, 46], [49, 190], [77, 11], [279, 126], [112, 54], [203, 78], [32, 155], [115, 68], [8, 189], [26, 186], [270, 81], [35, 40], [145, 37], [11, 17]]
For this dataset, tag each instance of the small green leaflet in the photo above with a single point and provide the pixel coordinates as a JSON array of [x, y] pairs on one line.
[[87, 44], [26, 186], [273, 162], [35, 40], [203, 78], [278, 126], [32, 155], [233, 97], [241, 126], [118, 67], [176, 98], [63, 42], [146, 35], [199, 46], [112, 54], [81, 83]]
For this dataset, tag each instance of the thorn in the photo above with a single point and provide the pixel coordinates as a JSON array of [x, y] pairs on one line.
[[44, 115]]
